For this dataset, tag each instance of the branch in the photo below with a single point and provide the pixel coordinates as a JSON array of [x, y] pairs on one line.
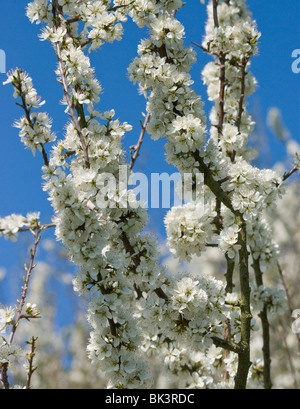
[[242, 95], [138, 146], [213, 184], [57, 12], [28, 270], [34, 227], [215, 12], [244, 357], [227, 337], [200, 46], [21, 303], [290, 173], [263, 315], [30, 357], [228, 345], [229, 274], [27, 114], [222, 60]]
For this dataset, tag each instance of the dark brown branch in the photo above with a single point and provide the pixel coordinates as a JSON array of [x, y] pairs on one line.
[[242, 95], [222, 60], [244, 357], [263, 315], [229, 274], [213, 184], [215, 13], [228, 345]]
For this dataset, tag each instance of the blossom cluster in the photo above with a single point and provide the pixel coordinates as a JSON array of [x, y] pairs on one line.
[[35, 127], [189, 229], [6, 317], [236, 33], [11, 225], [252, 189], [8, 353], [162, 71], [274, 299], [102, 22], [100, 241], [262, 244]]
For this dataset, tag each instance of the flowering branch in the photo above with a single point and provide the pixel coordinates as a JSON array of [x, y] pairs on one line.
[[18, 85], [57, 12], [4, 367], [35, 128]]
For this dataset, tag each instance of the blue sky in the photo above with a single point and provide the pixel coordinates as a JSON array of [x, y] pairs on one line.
[[20, 181]]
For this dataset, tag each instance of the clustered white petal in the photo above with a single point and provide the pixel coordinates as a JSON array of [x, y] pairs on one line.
[[135, 305], [11, 225]]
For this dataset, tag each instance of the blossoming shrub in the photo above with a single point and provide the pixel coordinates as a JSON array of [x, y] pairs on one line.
[[137, 308]]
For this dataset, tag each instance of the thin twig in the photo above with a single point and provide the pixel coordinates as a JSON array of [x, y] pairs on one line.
[[290, 173], [30, 358], [138, 146], [34, 227], [29, 270], [21, 303], [200, 46]]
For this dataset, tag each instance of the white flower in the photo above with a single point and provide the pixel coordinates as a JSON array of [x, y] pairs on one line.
[[31, 310], [228, 240], [189, 229], [8, 353], [6, 317], [10, 225]]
